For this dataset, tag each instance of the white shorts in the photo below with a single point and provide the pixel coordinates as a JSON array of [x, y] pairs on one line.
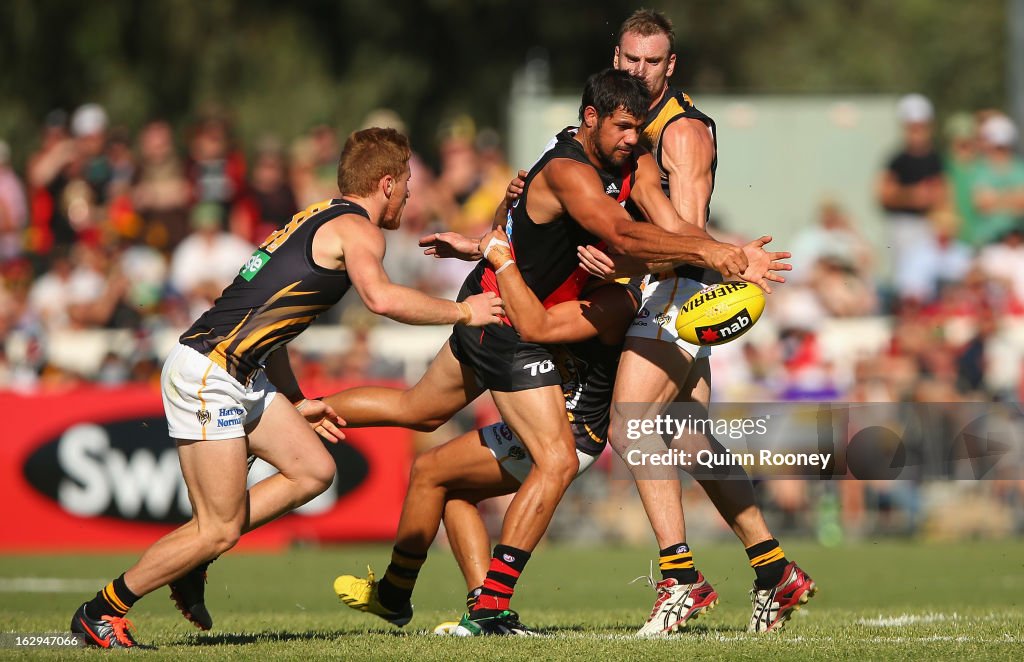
[[659, 308], [202, 401], [512, 454]]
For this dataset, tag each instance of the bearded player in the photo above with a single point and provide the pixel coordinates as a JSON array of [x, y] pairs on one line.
[[658, 367]]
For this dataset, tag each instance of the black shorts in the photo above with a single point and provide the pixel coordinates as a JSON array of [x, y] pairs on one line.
[[501, 361]]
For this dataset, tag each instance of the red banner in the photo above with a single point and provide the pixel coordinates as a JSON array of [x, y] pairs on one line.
[[94, 469]]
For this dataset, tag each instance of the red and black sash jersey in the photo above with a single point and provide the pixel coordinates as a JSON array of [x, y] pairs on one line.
[[276, 295], [545, 253]]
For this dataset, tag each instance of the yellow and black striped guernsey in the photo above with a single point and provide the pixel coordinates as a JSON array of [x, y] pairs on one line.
[[276, 295], [675, 105]]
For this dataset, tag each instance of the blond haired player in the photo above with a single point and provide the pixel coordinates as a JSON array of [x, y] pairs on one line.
[[220, 383]]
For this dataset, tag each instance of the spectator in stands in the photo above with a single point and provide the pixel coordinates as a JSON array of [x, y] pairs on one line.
[[1004, 262], [207, 260], [997, 185], [471, 179], [836, 262], [960, 159], [268, 202], [216, 168], [47, 177], [161, 190], [911, 187], [13, 208]]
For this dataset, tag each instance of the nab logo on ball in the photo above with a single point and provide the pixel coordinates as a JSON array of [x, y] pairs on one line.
[[720, 313], [727, 330]]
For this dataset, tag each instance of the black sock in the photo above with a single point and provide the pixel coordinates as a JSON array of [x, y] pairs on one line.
[[507, 565], [395, 589], [768, 561], [676, 562], [114, 600]]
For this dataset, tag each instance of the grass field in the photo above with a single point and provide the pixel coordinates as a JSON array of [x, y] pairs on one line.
[[876, 601]]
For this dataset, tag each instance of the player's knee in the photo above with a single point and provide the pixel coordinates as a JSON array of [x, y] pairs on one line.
[[428, 425], [221, 537], [318, 477], [561, 467], [425, 470]]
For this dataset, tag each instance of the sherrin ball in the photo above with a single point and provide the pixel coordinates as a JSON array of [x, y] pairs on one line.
[[720, 313]]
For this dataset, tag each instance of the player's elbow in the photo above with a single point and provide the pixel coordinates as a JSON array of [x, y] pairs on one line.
[[622, 239], [532, 333], [377, 303]]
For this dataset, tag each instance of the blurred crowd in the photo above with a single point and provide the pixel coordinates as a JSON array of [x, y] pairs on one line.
[[953, 208], [104, 228]]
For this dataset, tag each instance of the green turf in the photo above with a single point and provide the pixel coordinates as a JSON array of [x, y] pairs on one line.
[[876, 601]]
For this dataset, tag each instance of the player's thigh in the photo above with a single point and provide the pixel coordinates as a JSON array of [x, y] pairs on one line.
[[697, 387], [464, 463], [283, 438], [651, 374], [537, 417], [445, 388], [215, 473]]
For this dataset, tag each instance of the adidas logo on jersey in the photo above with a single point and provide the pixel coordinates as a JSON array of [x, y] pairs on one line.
[[612, 189]]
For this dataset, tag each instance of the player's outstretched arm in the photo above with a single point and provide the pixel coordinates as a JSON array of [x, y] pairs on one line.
[[578, 189], [762, 266], [363, 246], [567, 322]]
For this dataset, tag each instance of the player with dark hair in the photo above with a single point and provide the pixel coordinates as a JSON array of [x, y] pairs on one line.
[[658, 367], [573, 195], [221, 381], [453, 477]]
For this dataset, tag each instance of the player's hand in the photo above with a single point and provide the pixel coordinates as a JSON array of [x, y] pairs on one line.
[[763, 265], [495, 247], [726, 259], [451, 244], [322, 418], [485, 307], [515, 188], [604, 265]]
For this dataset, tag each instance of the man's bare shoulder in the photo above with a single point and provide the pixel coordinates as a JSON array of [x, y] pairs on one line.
[[688, 132], [564, 174], [687, 141], [347, 231]]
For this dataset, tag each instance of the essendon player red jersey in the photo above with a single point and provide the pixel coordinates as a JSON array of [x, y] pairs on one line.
[[545, 253]]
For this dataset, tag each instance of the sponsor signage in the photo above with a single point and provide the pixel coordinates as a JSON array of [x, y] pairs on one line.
[[94, 468]]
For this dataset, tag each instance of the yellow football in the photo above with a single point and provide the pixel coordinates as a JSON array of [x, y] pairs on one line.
[[720, 313]]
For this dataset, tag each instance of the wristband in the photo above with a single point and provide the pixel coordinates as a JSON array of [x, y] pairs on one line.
[[503, 267], [496, 243], [300, 404], [465, 312]]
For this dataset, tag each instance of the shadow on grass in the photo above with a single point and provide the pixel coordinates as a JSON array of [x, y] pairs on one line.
[[630, 630], [245, 638]]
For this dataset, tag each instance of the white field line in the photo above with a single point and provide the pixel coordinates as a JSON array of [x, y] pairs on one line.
[[906, 619], [49, 585]]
